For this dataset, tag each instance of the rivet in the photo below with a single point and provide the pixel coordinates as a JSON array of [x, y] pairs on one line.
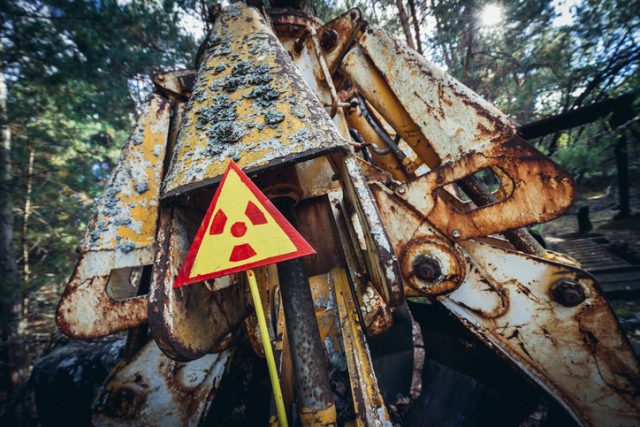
[[456, 234], [427, 268], [568, 292], [328, 40]]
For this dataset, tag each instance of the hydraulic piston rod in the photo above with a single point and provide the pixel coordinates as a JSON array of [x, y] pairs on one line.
[[315, 400]]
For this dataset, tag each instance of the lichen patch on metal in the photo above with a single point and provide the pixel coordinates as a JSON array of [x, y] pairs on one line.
[[249, 104], [127, 211]]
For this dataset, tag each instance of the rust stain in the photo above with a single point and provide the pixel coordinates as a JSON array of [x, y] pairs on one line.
[[120, 234], [450, 259]]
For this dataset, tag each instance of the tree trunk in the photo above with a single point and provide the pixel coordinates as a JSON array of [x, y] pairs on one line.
[[622, 165], [416, 25], [26, 267], [404, 21], [14, 367]]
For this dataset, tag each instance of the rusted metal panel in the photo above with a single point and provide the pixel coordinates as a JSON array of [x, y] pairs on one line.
[[250, 104], [315, 224], [368, 402], [86, 311], [190, 321], [125, 222], [375, 312], [289, 24], [121, 234], [153, 390], [316, 177], [380, 259], [338, 35], [177, 83], [467, 134], [412, 238], [541, 192], [578, 353], [318, 51], [453, 118], [316, 64], [334, 37], [567, 340]]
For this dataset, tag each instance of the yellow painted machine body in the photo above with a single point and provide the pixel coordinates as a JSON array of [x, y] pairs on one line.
[[369, 139]]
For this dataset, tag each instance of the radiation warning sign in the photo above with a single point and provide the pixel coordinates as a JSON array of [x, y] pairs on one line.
[[241, 230]]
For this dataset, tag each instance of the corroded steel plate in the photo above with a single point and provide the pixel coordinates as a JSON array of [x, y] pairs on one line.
[[249, 104]]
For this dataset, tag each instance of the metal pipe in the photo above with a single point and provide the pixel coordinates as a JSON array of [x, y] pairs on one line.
[[315, 398], [389, 162], [381, 132], [372, 85], [363, 145], [520, 238]]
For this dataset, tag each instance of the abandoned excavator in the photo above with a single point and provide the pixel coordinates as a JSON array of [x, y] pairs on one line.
[[427, 302]]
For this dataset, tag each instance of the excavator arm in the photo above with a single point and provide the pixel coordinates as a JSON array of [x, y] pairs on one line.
[[380, 152]]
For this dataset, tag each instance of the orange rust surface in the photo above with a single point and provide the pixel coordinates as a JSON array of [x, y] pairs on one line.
[[86, 311], [450, 259]]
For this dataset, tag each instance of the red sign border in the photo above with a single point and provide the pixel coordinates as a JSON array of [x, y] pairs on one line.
[[303, 248]]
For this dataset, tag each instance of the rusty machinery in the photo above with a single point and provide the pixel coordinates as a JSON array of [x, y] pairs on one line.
[[377, 154]]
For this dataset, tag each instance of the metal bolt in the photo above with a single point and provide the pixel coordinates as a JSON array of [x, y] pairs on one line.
[[456, 234], [568, 292], [427, 268], [122, 403], [328, 40], [401, 190]]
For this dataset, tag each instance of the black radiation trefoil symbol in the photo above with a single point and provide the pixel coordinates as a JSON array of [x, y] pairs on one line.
[[242, 251]]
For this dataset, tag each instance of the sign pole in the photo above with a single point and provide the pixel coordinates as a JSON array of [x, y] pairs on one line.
[[268, 352]]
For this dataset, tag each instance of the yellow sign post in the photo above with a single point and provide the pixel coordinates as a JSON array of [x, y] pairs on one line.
[[240, 231], [268, 351]]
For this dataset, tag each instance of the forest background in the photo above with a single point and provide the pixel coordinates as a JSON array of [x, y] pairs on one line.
[[74, 73]]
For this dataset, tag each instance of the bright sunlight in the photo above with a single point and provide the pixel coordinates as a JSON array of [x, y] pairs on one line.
[[491, 15]]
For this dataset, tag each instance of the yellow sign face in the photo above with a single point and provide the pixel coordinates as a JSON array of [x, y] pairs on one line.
[[241, 230]]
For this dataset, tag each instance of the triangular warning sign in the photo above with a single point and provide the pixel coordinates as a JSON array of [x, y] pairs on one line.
[[241, 230]]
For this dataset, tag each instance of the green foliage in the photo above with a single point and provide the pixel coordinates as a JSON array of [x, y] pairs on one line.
[[584, 155], [76, 72], [381, 13]]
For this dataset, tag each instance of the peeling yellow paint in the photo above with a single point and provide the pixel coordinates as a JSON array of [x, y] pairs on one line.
[[127, 212]]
